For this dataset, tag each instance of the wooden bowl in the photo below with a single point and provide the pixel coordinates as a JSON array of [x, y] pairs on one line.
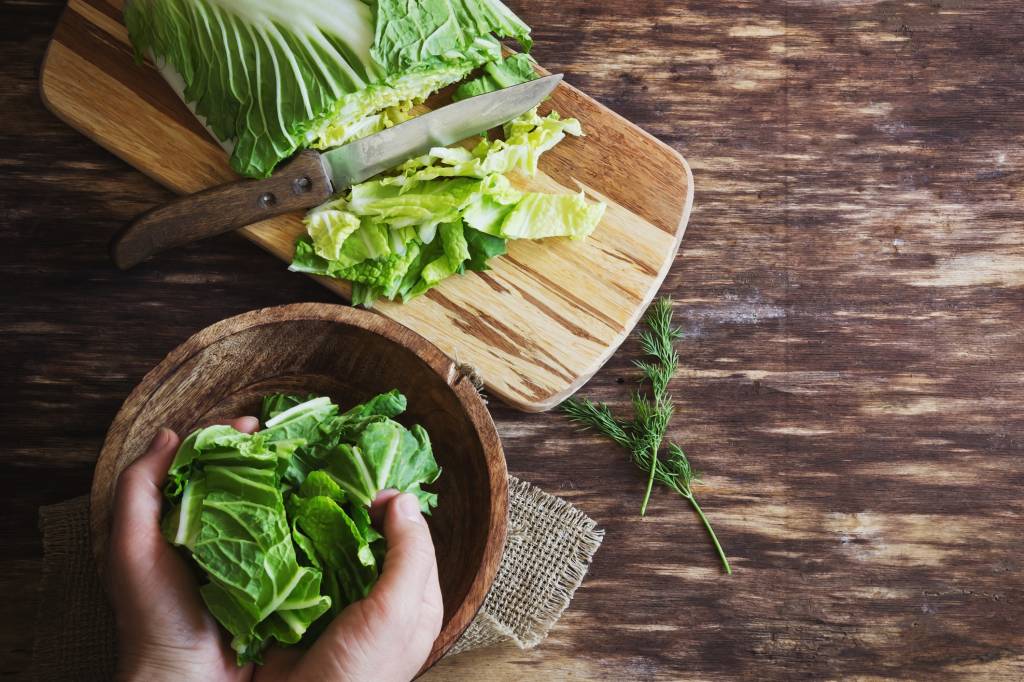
[[351, 355]]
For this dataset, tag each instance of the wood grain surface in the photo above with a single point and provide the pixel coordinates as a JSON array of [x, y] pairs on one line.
[[515, 322], [351, 356], [851, 285]]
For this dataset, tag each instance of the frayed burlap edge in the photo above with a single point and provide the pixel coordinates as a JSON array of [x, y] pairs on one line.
[[548, 551], [549, 548]]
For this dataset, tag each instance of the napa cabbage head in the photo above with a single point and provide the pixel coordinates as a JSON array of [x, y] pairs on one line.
[[270, 76]]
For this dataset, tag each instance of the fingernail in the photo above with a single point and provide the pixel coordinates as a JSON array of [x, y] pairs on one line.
[[385, 496], [161, 439], [409, 507], [249, 423]]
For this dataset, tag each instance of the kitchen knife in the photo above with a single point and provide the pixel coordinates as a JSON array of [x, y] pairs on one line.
[[312, 177]]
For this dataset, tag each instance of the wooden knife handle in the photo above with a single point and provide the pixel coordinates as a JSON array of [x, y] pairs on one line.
[[300, 184]]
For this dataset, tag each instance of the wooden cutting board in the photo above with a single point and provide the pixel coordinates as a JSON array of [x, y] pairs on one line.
[[537, 326]]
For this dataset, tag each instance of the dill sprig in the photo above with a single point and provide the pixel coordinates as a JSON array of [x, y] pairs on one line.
[[644, 435]]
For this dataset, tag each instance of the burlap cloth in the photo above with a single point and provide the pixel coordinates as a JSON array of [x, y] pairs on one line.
[[549, 547]]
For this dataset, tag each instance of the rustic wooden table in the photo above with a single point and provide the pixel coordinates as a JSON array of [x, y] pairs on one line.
[[851, 284]]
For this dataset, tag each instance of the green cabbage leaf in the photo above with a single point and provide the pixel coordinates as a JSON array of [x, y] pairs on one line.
[[443, 213], [230, 515]]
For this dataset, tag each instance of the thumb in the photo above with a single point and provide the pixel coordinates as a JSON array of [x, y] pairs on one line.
[[407, 596], [392, 609], [408, 563], [387, 635], [138, 499]]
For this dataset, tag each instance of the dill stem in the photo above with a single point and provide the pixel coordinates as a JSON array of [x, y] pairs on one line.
[[711, 532], [650, 479]]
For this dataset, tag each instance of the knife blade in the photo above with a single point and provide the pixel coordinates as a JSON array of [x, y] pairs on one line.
[[362, 159], [311, 178]]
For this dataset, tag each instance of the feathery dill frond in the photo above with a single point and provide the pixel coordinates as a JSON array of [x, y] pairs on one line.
[[644, 434]]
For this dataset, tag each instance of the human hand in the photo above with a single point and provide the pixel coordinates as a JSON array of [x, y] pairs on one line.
[[165, 632], [388, 635]]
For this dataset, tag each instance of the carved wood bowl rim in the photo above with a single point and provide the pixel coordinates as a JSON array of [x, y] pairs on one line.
[[111, 462]]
